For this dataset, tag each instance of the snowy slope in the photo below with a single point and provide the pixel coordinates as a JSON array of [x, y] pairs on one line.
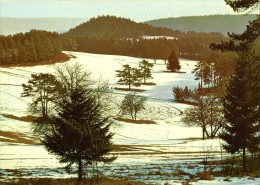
[[162, 145]]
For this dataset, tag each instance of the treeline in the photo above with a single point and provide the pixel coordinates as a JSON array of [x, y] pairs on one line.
[[33, 46], [144, 48], [120, 36]]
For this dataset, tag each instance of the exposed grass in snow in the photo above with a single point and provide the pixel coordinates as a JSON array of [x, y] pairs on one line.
[[135, 121], [127, 89], [12, 137], [49, 181], [28, 118]]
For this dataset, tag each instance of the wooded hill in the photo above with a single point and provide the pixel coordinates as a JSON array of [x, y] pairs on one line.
[[212, 23], [121, 36], [32, 47]]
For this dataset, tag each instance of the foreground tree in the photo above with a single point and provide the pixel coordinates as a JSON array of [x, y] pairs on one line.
[[128, 76], [145, 70], [173, 63], [243, 5], [242, 115], [241, 101], [132, 104], [81, 131]]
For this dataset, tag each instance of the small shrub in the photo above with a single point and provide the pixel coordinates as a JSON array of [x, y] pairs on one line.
[[204, 175], [228, 179]]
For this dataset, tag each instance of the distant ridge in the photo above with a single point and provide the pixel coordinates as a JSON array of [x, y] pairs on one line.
[[10, 25], [211, 23]]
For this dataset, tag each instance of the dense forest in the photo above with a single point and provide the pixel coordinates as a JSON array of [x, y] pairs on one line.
[[120, 36], [31, 47]]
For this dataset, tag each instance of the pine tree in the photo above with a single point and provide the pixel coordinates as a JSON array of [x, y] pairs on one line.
[[242, 5], [173, 63], [240, 132], [41, 87], [81, 131], [145, 70], [128, 76]]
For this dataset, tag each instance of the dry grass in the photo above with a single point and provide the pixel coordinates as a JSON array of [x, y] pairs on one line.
[[135, 121], [148, 83], [103, 181], [23, 118], [12, 137], [126, 89], [174, 72], [59, 58]]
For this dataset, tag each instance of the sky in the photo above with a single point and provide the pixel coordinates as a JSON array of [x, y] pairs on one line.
[[137, 10]]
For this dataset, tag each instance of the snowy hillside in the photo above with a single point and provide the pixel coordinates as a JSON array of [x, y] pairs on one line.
[[144, 149]]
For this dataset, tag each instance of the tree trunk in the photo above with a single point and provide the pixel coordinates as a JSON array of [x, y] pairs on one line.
[[80, 170], [244, 160], [97, 172]]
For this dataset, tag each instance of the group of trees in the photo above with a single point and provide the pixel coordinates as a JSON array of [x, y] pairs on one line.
[[143, 48], [31, 47], [133, 76], [213, 69], [184, 94], [76, 127]]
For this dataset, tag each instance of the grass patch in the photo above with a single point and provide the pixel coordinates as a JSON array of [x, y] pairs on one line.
[[135, 121], [126, 89], [46, 181], [12, 137], [187, 102], [59, 58], [22, 118], [180, 72], [148, 83]]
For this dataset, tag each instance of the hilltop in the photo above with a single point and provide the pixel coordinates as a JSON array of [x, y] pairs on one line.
[[116, 27]]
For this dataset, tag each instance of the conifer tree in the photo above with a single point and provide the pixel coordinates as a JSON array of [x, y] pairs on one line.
[[173, 63], [240, 131], [145, 70], [81, 131], [128, 76]]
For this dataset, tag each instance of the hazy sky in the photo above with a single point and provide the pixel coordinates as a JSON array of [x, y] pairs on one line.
[[138, 10]]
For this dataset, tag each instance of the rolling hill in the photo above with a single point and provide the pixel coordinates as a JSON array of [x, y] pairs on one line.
[[212, 23]]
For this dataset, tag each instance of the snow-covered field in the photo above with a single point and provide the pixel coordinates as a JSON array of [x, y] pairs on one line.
[[151, 152]]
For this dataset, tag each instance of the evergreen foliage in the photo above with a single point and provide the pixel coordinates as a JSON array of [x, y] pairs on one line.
[[241, 101], [243, 5], [120, 36], [42, 88], [128, 76], [81, 131], [173, 63], [145, 70], [32, 47], [242, 115]]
